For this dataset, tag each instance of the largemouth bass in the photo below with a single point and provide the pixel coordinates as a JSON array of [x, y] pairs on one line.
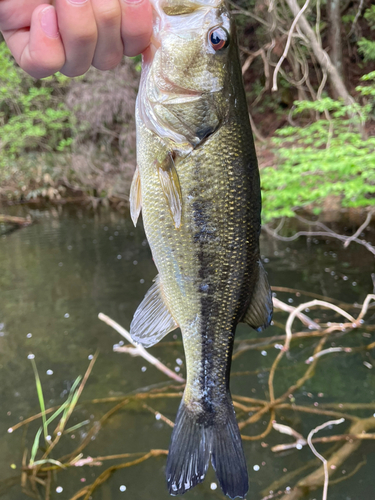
[[197, 184]]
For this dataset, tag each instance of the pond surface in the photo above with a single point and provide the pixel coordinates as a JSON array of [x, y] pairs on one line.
[[58, 274]]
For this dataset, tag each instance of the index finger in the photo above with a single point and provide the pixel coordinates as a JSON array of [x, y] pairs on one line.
[[15, 17]]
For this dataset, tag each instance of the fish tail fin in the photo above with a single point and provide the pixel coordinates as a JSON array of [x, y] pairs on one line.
[[189, 452], [227, 456], [194, 440]]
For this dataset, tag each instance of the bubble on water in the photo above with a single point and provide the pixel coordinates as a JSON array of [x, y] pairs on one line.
[[157, 416], [49, 372], [123, 487], [135, 262], [213, 486], [30, 356], [290, 300], [90, 356], [144, 368], [345, 278], [48, 438], [256, 467], [278, 346], [121, 342], [116, 233], [10, 430], [29, 335], [354, 283], [264, 353], [61, 264], [177, 369], [179, 361], [142, 281], [299, 446], [66, 315], [59, 489], [70, 247], [105, 228], [83, 479], [119, 257], [266, 260]]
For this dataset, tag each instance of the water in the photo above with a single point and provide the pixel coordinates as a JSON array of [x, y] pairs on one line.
[[57, 275]]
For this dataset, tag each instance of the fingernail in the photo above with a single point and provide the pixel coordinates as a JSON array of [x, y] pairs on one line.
[[77, 2], [48, 22], [133, 1]]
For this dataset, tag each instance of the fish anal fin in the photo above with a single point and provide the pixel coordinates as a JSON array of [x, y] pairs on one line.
[[259, 312], [152, 320], [171, 187], [135, 198]]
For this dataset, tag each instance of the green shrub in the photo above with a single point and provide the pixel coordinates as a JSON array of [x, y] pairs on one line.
[[33, 117], [324, 158]]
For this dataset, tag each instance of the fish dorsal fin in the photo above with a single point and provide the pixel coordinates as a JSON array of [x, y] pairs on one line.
[[171, 187], [259, 312], [135, 198], [152, 320]]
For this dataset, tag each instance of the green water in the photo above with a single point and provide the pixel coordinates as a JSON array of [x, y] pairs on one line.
[[57, 275]]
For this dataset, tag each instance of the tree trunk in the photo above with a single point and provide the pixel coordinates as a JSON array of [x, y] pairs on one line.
[[321, 55], [334, 17]]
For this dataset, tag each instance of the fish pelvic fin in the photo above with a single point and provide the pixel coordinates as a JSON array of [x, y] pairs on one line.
[[259, 313], [196, 439], [135, 197], [170, 184], [152, 320]]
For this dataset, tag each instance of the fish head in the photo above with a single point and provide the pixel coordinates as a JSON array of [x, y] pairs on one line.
[[185, 84]]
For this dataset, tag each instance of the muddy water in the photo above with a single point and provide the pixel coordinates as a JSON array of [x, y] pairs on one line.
[[57, 275]]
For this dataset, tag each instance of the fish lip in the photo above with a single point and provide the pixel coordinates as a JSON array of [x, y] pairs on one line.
[[176, 89]]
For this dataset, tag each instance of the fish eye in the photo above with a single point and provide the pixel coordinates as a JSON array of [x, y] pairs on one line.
[[218, 38]]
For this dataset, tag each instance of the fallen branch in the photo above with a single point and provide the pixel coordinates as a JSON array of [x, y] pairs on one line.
[[16, 221], [316, 478], [138, 350]]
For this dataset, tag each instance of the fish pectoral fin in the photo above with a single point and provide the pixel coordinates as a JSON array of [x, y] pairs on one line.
[[135, 198], [152, 320], [171, 187], [259, 313]]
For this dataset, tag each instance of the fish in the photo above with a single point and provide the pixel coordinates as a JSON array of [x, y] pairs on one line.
[[197, 186]]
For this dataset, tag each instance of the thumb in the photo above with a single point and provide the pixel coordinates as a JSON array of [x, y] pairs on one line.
[[38, 50]]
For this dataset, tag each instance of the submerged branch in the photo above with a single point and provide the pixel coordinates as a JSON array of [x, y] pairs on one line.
[[138, 350]]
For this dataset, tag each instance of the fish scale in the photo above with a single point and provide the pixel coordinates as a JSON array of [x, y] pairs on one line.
[[197, 182]]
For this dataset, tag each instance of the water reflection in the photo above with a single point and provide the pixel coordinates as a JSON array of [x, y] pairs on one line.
[[57, 275]]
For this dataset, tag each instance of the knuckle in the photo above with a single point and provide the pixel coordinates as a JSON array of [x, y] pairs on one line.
[[108, 17], [89, 36], [72, 73], [108, 63]]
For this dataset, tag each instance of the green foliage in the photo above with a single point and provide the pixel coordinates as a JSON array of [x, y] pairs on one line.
[[32, 118], [367, 47], [325, 158]]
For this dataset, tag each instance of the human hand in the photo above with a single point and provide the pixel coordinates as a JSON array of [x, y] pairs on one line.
[[46, 36]]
